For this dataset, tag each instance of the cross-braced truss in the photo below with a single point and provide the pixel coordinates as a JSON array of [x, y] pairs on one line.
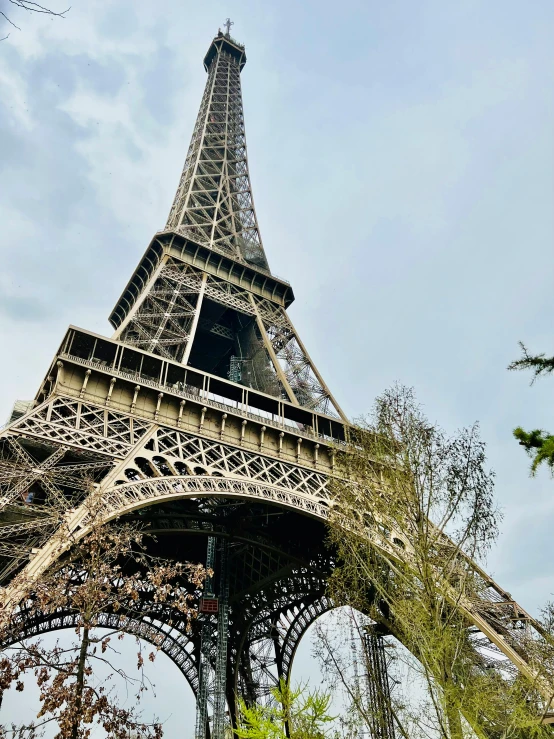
[[165, 464], [79, 425], [163, 321], [168, 317], [214, 205], [377, 678], [302, 377], [39, 483]]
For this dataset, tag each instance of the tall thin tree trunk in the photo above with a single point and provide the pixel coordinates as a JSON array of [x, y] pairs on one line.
[[452, 715], [454, 722], [80, 683]]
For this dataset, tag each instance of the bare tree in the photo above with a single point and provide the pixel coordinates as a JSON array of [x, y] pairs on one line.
[[107, 571], [31, 7]]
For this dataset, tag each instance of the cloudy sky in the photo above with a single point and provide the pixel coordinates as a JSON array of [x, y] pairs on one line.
[[401, 159]]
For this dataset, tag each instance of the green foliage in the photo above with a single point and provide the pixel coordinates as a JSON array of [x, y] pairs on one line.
[[413, 508], [307, 715], [538, 444]]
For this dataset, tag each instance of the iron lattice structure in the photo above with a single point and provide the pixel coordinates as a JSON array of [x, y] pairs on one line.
[[377, 676], [204, 417]]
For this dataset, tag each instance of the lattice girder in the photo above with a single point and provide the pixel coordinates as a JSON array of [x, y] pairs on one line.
[[302, 377], [234, 473], [39, 483], [501, 630], [162, 322], [214, 204]]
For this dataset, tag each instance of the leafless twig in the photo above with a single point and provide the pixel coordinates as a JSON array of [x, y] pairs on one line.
[[31, 7], [36, 8]]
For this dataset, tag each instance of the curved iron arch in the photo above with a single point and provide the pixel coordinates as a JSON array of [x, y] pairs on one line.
[[127, 497], [120, 499], [173, 644], [281, 624], [298, 627]]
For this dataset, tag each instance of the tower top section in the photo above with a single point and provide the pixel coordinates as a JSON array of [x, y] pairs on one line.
[[224, 42], [213, 205], [203, 295]]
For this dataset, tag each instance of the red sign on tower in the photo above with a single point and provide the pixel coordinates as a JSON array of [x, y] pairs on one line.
[[209, 605]]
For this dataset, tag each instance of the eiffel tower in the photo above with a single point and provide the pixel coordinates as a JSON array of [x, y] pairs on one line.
[[204, 418]]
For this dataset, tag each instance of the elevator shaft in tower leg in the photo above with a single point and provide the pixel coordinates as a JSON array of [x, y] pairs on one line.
[[212, 672], [220, 717], [206, 648]]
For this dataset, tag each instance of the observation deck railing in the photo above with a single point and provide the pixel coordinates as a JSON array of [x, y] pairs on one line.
[[189, 392]]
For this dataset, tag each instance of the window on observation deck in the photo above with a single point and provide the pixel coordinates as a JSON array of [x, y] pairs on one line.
[[104, 353], [151, 368], [130, 361], [81, 346]]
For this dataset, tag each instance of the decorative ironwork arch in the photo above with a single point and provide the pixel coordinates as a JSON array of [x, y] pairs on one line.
[[172, 642], [496, 616]]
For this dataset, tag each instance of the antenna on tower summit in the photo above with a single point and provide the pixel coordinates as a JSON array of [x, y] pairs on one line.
[[228, 23]]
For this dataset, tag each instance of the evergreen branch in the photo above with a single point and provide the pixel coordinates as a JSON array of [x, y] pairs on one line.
[[539, 445], [539, 363]]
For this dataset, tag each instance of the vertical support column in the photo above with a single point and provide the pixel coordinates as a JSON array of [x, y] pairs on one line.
[[271, 354], [378, 685], [219, 724], [194, 326], [201, 731]]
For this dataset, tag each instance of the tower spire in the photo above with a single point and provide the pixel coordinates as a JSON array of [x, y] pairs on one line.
[[213, 205], [228, 23]]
